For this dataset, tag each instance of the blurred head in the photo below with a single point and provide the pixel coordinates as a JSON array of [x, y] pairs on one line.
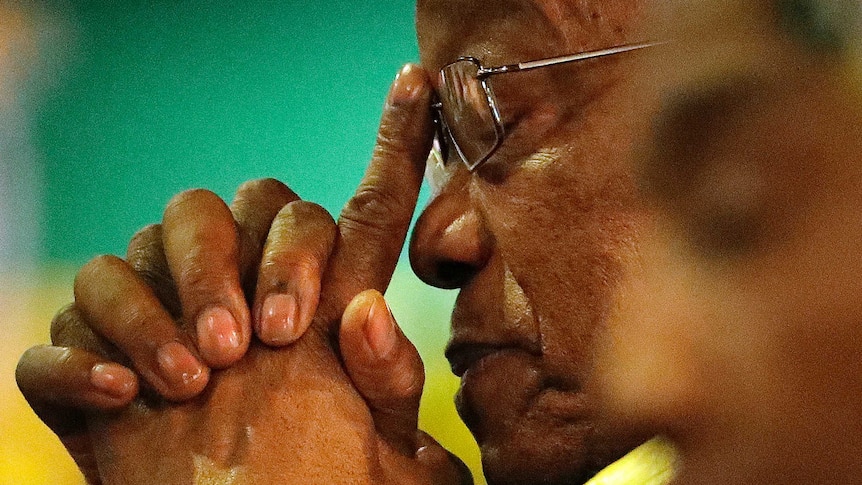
[[538, 238], [741, 333]]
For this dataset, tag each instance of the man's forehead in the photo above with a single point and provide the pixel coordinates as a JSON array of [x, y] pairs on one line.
[[496, 27]]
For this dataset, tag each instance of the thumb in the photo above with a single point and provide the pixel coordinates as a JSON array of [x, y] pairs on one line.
[[385, 368]]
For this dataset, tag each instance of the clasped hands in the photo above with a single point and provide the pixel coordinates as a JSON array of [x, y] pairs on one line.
[[251, 343]]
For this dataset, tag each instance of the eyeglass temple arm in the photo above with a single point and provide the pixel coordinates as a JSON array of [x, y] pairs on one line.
[[524, 66]]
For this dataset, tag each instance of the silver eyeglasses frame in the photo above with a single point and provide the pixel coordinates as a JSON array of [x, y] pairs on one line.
[[482, 75]]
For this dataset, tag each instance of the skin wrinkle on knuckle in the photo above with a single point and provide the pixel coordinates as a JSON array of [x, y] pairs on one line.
[[314, 239], [197, 280], [300, 266], [375, 209], [138, 321], [189, 200], [262, 189], [405, 382], [257, 203], [314, 217], [156, 279], [90, 286], [407, 385], [62, 321], [399, 139], [259, 186], [145, 243], [392, 146], [91, 270]]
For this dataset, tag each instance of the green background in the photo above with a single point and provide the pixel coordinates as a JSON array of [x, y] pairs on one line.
[[137, 101], [161, 96]]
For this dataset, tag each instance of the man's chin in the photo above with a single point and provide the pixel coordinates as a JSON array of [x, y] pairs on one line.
[[539, 448], [552, 458]]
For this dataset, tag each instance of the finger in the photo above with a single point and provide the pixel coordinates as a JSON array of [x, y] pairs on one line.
[[385, 368], [124, 310], [146, 254], [374, 223], [445, 467], [70, 329], [254, 207], [295, 256], [201, 245], [61, 383]]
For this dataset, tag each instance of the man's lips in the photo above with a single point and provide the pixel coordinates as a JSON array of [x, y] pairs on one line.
[[500, 382], [462, 356]]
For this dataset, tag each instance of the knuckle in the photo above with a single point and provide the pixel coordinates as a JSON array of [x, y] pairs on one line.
[[304, 210], [264, 186], [146, 250], [391, 144], [376, 210], [407, 385], [295, 266], [190, 198], [305, 218], [94, 269], [70, 329], [194, 275], [146, 236], [65, 319]]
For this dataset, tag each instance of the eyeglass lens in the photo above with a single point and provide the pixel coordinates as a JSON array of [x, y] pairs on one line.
[[466, 112]]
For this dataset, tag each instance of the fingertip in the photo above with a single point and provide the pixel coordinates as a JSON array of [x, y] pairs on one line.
[[278, 323], [221, 337], [410, 85], [114, 381], [356, 316], [53, 377], [181, 375], [379, 329]]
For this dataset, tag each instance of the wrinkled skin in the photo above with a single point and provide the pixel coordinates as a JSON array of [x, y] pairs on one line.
[[538, 238], [740, 340], [323, 411]]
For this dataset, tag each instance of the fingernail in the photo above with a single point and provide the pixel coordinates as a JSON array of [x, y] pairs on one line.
[[218, 329], [380, 330], [278, 319], [178, 366], [407, 86], [112, 379]]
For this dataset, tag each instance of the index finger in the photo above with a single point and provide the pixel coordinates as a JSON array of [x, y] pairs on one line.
[[373, 225]]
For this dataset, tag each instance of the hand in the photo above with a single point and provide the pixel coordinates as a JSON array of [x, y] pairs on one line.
[[370, 233]]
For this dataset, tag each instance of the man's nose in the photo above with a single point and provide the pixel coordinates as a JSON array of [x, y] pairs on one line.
[[449, 245]]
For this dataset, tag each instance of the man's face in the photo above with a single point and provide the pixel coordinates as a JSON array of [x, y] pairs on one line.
[[538, 238], [741, 338]]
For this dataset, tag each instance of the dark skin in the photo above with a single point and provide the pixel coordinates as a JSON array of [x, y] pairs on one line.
[[538, 237], [537, 241], [230, 428]]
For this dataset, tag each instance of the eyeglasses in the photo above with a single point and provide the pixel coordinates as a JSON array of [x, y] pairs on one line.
[[466, 112]]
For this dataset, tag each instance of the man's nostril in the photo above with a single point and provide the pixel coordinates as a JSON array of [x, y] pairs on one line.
[[453, 274]]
